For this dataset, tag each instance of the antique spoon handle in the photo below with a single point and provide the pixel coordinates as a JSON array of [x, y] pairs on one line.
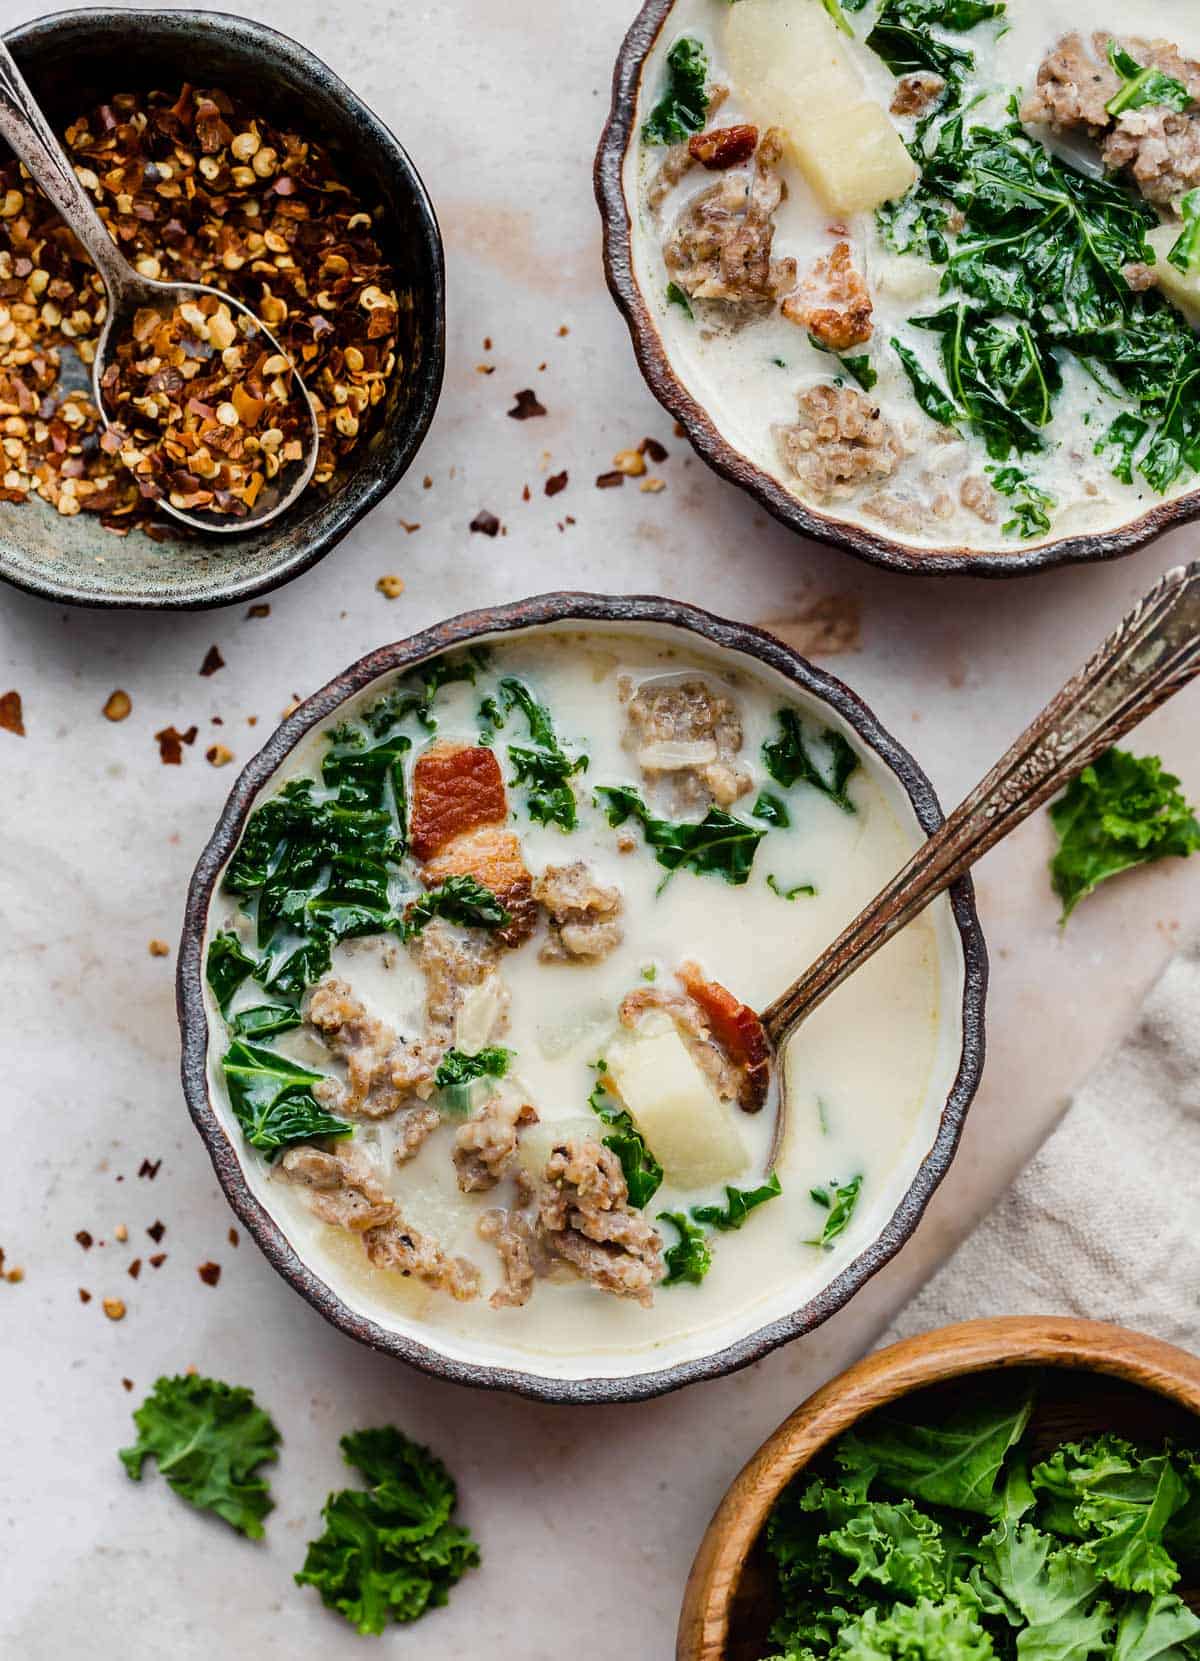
[[27, 132], [1153, 652]]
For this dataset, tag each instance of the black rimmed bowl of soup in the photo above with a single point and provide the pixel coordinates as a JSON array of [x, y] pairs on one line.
[[218, 151], [460, 985], [922, 277]]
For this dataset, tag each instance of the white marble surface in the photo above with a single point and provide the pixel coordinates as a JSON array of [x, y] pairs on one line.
[[588, 1518]]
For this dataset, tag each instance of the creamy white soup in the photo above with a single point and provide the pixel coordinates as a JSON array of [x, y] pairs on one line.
[[481, 979], [933, 265]]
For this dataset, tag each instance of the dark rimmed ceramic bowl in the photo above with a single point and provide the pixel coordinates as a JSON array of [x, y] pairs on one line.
[[701, 631], [74, 59], [621, 268]]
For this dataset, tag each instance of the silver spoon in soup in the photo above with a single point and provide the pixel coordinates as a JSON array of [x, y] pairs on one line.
[[199, 400], [1152, 654]]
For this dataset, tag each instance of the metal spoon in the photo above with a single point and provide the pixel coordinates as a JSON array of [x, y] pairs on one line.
[[1151, 655], [27, 132]]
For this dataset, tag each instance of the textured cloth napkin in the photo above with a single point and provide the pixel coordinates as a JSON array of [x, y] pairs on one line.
[[1104, 1222]]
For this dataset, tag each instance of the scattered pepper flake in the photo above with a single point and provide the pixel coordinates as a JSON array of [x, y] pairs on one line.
[[653, 486], [15, 1275], [159, 948], [84, 1238], [525, 493], [114, 1308], [127, 1383], [609, 481], [170, 743], [486, 523], [210, 1273], [261, 609], [157, 1261], [630, 462], [391, 587], [135, 1268], [121, 1233], [212, 661], [218, 755], [156, 1230], [556, 482], [427, 483], [292, 706], [487, 343], [563, 329], [486, 369], [117, 706], [680, 430], [527, 405], [149, 1169], [408, 528], [652, 448], [234, 1237], [84, 1295], [11, 716]]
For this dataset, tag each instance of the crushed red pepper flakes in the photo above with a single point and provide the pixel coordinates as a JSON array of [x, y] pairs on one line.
[[487, 343], [262, 609], [156, 1230], [84, 1238], [234, 1237], [157, 1261], [84, 1295], [121, 1233], [135, 1268], [563, 330], [149, 1169], [212, 661], [218, 755], [114, 1308], [652, 448], [486, 523], [609, 481], [127, 1384], [485, 368], [630, 462], [11, 716], [210, 1273], [427, 483], [159, 948], [391, 587], [15, 1276], [653, 486], [556, 482], [527, 405], [170, 743], [117, 706]]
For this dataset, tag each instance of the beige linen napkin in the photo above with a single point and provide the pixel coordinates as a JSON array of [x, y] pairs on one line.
[[1104, 1222]]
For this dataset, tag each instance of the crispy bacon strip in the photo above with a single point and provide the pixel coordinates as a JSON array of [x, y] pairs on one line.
[[723, 147], [455, 788], [738, 1029]]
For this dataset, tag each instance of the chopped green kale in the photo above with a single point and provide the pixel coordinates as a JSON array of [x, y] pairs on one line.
[[272, 1099], [643, 1173], [771, 809], [208, 1440], [264, 1020], [457, 1067], [676, 296], [719, 843], [1029, 501], [690, 1259], [839, 1200], [792, 893], [1140, 87], [544, 768], [227, 966], [739, 1203], [684, 104], [1185, 255], [463, 900], [789, 762]]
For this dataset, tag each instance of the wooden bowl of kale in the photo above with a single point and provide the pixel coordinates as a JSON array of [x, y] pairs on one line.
[[1024, 1489]]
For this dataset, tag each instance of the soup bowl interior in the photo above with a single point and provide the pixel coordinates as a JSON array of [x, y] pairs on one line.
[[74, 60], [723, 410], [593, 1365], [1090, 1377]]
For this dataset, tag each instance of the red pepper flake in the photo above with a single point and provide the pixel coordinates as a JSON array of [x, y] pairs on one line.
[[156, 1230], [563, 330], [525, 494], [407, 528], [262, 609], [127, 1383], [117, 706], [487, 343], [170, 744], [427, 483], [212, 661], [11, 718], [84, 1238], [680, 430], [84, 1295], [527, 405], [149, 1169], [135, 1268], [556, 483], [157, 1261], [486, 523], [609, 481], [233, 1237], [485, 368], [210, 1273], [158, 948], [652, 448]]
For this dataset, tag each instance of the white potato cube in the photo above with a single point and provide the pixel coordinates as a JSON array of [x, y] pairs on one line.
[[1182, 290], [688, 1129], [790, 68], [536, 1142]]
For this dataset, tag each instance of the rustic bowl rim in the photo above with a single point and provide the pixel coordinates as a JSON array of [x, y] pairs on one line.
[[344, 511], [562, 609], [964, 1349], [725, 459]]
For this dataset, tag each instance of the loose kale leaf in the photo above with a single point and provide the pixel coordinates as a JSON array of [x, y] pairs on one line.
[[907, 48], [1143, 86], [643, 1173], [1122, 811], [1156, 1629], [682, 108], [1029, 501], [923, 1631], [789, 893], [1185, 255], [955, 1463], [457, 1067], [415, 692], [1120, 1502], [227, 966], [546, 770], [839, 1199], [264, 1019], [937, 404], [272, 1099], [676, 296], [772, 810], [835, 11], [208, 1439], [389, 1552], [739, 1203], [788, 761], [463, 900], [690, 1258], [1053, 1589], [888, 1543], [1001, 377], [1124, 436], [859, 368], [720, 843]]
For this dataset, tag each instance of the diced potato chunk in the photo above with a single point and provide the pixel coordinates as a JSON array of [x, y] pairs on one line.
[[688, 1129], [1182, 290], [537, 1142], [790, 68]]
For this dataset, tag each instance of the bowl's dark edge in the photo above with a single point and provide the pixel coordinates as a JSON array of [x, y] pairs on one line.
[[433, 360], [729, 462], [565, 608]]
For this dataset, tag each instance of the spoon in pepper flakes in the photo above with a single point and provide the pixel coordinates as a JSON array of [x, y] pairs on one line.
[[210, 460], [1152, 653]]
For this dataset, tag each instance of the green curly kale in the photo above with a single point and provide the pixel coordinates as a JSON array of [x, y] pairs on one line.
[[389, 1551], [208, 1439], [457, 1067], [463, 900], [543, 767], [789, 761], [642, 1171], [720, 843], [690, 1259], [838, 1200], [684, 104], [272, 1099]]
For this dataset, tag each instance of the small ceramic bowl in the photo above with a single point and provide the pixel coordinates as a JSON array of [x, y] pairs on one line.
[[631, 274], [1094, 1377], [74, 59], [739, 1338]]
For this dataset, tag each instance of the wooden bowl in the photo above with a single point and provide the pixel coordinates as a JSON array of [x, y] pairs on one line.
[[1097, 1377]]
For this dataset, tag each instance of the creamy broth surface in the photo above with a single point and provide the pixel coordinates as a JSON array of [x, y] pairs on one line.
[[868, 1074], [746, 373]]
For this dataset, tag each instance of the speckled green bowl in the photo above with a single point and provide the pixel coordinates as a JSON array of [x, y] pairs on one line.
[[72, 59]]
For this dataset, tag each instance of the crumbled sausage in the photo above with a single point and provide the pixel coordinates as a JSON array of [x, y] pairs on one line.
[[516, 1242], [583, 924], [720, 247], [737, 1029], [396, 1245], [485, 1146], [451, 962], [723, 147], [915, 93], [708, 1025], [1139, 276], [344, 1189], [412, 1129], [686, 737], [978, 497], [833, 303], [678, 160], [1073, 87], [382, 1071], [585, 1219], [841, 441]]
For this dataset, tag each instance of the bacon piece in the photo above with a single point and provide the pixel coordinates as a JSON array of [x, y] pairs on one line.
[[493, 857], [723, 147], [737, 1027], [456, 788]]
